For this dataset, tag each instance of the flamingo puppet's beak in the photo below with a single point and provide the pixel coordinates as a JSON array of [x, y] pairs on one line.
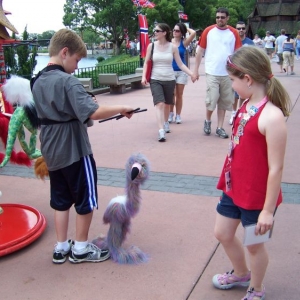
[[135, 170]]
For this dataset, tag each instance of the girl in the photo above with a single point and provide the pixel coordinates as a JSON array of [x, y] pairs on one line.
[[162, 81], [179, 40], [251, 176]]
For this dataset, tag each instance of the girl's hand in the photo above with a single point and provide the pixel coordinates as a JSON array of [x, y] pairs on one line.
[[265, 222], [194, 77]]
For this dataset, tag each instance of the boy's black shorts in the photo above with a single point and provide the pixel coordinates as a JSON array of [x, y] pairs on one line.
[[75, 184]]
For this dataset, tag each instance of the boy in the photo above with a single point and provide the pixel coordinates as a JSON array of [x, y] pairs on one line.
[[64, 108]]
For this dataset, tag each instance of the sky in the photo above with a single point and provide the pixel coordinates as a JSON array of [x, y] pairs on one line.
[[38, 15]]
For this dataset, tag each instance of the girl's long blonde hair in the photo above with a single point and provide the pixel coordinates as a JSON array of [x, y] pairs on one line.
[[255, 62]]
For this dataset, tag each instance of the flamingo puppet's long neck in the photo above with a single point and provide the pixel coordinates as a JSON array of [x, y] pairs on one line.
[[133, 198]]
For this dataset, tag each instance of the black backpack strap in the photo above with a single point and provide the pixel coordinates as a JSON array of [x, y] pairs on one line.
[[152, 50], [47, 69]]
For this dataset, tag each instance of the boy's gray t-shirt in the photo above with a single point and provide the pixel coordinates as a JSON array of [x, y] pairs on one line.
[[61, 97]]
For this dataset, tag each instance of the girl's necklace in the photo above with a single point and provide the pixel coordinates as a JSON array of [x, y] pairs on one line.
[[235, 138]]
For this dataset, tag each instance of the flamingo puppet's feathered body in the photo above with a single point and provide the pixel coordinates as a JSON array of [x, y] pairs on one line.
[[121, 209]]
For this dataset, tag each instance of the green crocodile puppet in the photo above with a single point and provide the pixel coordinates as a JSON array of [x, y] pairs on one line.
[[17, 92]]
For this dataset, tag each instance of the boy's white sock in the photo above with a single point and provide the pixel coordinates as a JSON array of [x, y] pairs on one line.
[[63, 246], [79, 246]]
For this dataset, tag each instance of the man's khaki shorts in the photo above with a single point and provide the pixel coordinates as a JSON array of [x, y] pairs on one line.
[[269, 50], [219, 92]]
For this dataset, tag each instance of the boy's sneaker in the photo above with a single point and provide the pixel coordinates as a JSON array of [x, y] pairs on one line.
[[292, 73], [171, 116], [220, 132], [251, 294], [161, 135], [90, 254], [167, 127], [60, 256], [178, 119], [232, 117], [207, 127], [228, 280]]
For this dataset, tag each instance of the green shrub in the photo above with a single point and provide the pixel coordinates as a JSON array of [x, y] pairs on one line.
[[100, 58]]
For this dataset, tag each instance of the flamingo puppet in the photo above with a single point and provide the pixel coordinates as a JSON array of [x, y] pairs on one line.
[[121, 209]]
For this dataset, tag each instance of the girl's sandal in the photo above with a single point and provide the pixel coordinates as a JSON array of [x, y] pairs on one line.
[[254, 295], [228, 280]]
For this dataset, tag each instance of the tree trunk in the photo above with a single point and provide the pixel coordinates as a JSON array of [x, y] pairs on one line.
[[118, 47]]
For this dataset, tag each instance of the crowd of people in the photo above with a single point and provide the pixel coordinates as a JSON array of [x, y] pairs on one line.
[[257, 140], [283, 49]]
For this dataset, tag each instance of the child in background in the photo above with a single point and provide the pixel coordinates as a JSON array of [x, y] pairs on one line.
[[64, 107], [258, 142]]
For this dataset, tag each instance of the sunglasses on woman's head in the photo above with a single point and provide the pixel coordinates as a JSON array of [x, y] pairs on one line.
[[220, 17], [176, 30]]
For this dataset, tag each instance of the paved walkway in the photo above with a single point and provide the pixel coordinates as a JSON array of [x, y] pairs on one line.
[[176, 220], [163, 182]]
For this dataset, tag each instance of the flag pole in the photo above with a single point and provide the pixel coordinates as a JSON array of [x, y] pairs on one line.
[[139, 8]]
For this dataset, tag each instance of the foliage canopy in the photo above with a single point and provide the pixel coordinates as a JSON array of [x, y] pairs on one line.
[[108, 19]]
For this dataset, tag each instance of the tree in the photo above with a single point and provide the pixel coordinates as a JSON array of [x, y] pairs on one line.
[[165, 11], [26, 52], [10, 59], [239, 10], [46, 35], [101, 16], [90, 38], [26, 57], [110, 18], [200, 13]]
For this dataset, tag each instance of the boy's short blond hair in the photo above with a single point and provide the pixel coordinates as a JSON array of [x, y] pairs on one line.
[[67, 38]]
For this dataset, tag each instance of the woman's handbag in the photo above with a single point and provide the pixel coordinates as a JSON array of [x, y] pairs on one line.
[[149, 65]]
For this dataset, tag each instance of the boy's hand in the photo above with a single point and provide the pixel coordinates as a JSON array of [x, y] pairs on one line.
[[127, 111]]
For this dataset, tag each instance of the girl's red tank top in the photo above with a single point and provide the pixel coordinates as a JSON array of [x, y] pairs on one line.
[[249, 166]]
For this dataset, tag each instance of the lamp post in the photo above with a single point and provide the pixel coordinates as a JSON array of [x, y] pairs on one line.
[[182, 2], [153, 35]]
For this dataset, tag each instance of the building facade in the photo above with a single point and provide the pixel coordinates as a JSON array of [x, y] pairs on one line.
[[274, 15]]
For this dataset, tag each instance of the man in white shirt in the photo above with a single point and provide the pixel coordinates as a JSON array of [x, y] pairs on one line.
[[278, 48], [219, 94], [269, 46]]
